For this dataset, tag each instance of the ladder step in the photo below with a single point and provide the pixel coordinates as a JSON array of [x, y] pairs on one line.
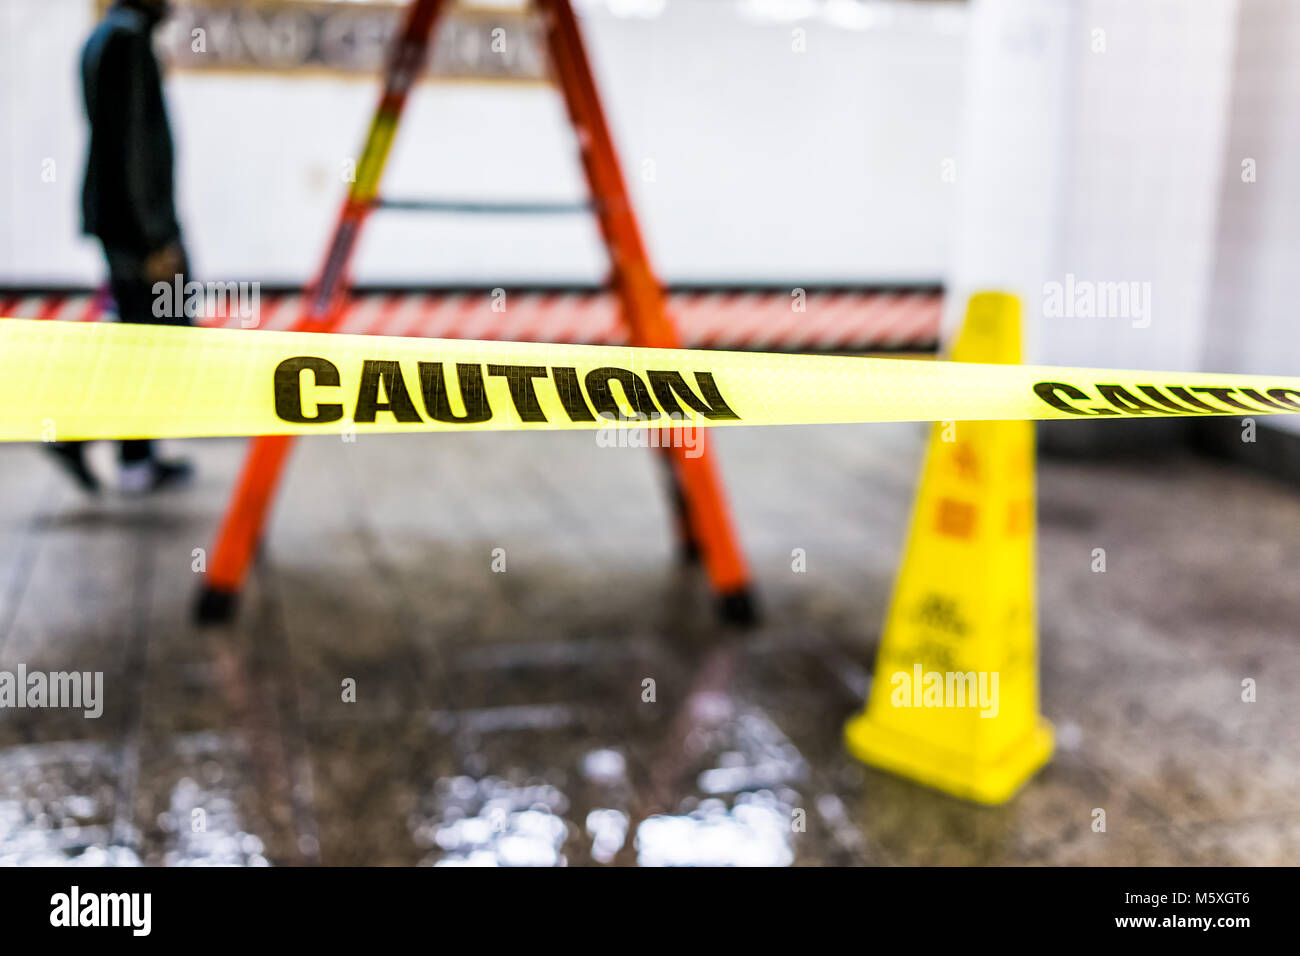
[[476, 207]]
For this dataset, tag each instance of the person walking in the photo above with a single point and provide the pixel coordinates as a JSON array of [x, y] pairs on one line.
[[128, 204]]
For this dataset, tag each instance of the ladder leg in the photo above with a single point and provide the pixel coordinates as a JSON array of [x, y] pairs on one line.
[[706, 510], [688, 546], [702, 508], [241, 530], [324, 307]]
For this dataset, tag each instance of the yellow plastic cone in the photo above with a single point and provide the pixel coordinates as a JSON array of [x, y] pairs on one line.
[[954, 700]]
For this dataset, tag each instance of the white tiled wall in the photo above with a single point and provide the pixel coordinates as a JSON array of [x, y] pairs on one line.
[[772, 164], [1255, 325]]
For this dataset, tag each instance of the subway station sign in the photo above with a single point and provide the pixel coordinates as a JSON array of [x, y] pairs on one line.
[[477, 42]]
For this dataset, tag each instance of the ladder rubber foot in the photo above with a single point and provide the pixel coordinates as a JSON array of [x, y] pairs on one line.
[[215, 605], [738, 607]]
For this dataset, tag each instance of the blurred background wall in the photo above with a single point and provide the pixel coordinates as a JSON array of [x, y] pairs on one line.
[[768, 165]]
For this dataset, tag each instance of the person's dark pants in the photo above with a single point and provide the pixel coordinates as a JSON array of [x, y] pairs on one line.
[[135, 298]]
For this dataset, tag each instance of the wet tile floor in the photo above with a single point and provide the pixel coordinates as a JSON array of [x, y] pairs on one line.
[[500, 717]]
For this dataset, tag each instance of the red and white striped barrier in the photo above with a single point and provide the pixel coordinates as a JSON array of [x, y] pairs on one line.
[[834, 321]]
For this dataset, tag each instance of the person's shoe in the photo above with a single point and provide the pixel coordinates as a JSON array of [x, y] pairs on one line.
[[152, 474], [71, 458]]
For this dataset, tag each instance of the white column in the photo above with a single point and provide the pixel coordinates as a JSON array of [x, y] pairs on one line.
[[1095, 139]]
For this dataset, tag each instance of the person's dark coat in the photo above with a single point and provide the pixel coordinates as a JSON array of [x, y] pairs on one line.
[[127, 198]]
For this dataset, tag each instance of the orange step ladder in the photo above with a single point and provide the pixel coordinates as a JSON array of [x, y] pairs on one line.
[[703, 524]]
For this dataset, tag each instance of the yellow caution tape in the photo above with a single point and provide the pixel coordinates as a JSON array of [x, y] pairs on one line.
[[73, 380]]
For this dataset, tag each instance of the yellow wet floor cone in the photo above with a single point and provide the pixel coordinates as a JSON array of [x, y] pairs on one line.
[[954, 700]]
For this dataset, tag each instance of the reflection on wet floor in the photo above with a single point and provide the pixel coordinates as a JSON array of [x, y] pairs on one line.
[[491, 823], [57, 807], [753, 832], [202, 819], [740, 810], [504, 719]]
